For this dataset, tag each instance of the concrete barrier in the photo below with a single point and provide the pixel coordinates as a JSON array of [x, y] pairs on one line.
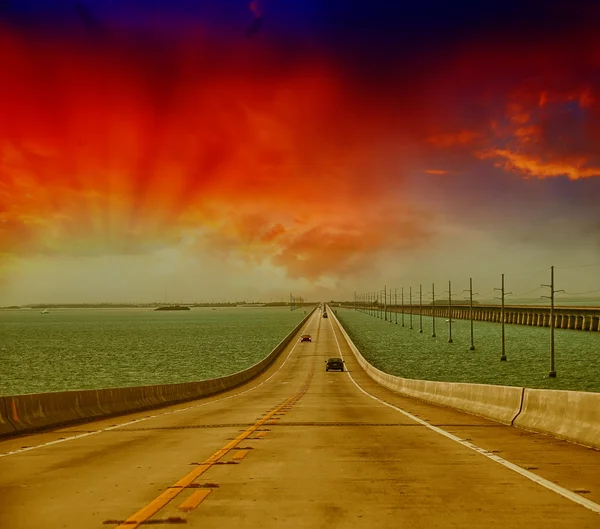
[[6, 427], [26, 413], [499, 403], [570, 415]]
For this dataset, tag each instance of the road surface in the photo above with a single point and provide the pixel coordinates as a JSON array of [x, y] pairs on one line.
[[298, 447]]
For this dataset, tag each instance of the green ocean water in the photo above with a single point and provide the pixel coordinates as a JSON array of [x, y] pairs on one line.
[[407, 353], [101, 348]]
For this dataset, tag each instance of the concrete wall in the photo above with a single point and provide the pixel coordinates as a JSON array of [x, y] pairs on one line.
[[25, 413], [569, 415], [499, 403], [6, 427]]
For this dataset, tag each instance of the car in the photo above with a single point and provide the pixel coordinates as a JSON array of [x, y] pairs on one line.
[[334, 363], [325, 315], [306, 338]]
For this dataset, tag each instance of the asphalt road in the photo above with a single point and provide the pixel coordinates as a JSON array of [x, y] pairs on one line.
[[298, 447]]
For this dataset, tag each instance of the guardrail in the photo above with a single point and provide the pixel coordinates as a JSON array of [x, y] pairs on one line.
[[27, 413], [570, 415]]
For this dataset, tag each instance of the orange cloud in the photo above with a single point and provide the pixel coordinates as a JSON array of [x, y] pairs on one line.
[[436, 171], [533, 167]]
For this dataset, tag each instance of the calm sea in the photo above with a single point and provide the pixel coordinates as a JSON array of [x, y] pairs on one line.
[[406, 352], [101, 348]]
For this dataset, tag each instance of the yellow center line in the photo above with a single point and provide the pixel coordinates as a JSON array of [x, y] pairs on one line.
[[160, 501]]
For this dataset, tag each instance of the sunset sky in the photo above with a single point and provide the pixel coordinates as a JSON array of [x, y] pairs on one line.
[[195, 150]]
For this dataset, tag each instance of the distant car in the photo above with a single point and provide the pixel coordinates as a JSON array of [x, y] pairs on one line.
[[306, 338], [334, 363], [324, 315]]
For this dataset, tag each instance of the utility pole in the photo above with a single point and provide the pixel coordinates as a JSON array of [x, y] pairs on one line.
[[420, 310], [503, 356], [552, 373], [385, 302], [396, 304], [472, 348], [449, 312], [402, 306], [410, 301], [433, 308]]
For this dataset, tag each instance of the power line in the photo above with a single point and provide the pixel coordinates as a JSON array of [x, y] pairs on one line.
[[575, 267], [582, 293]]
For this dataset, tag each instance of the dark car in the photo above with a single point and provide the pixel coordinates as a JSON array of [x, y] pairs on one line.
[[306, 338], [334, 363], [324, 315]]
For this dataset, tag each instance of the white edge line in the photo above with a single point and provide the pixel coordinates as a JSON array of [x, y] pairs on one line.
[[592, 506], [96, 432]]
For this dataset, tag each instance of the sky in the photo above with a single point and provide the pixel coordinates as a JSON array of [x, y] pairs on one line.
[[195, 150]]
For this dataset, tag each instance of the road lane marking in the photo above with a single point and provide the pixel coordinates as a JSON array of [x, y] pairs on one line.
[[240, 454], [165, 497], [592, 506], [129, 423], [194, 500]]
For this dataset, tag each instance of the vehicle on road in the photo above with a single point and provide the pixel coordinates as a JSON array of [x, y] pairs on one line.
[[324, 315], [334, 363], [306, 338]]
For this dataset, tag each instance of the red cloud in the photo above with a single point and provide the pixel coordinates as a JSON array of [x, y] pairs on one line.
[[109, 154]]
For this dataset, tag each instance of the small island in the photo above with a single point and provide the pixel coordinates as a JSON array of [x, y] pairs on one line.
[[173, 307]]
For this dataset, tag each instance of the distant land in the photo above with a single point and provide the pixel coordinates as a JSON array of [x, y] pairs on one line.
[[559, 301], [152, 305]]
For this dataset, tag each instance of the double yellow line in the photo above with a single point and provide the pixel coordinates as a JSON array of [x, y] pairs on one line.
[[194, 500]]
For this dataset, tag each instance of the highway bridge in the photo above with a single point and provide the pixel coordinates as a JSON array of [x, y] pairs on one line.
[[298, 447]]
